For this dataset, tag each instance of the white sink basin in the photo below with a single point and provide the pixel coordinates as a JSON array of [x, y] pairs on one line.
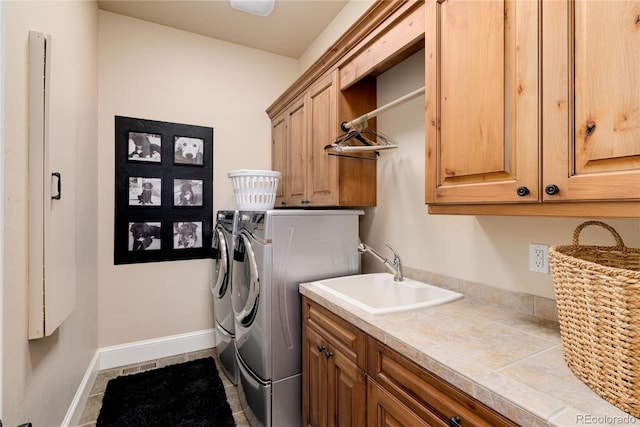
[[377, 293]]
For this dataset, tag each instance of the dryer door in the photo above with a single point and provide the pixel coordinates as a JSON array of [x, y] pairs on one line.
[[220, 264], [246, 283]]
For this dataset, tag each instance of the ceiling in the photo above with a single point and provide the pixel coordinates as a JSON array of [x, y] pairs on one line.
[[288, 31]]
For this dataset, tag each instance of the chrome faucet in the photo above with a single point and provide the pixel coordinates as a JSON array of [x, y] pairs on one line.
[[395, 267]]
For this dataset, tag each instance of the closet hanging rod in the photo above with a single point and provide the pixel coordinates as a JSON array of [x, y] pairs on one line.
[[346, 126]]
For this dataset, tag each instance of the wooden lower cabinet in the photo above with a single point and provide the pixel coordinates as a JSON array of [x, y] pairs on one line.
[[383, 409], [333, 385], [314, 379], [423, 394], [346, 386], [351, 379]]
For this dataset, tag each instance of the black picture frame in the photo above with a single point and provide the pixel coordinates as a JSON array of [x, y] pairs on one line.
[[149, 185]]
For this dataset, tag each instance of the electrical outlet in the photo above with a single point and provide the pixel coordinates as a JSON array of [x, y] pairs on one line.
[[539, 258]]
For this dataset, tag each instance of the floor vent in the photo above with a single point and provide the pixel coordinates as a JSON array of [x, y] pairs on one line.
[[132, 370], [147, 366]]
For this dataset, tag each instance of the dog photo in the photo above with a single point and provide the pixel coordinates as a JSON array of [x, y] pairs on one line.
[[145, 191], [187, 235], [144, 236], [145, 147], [188, 151], [187, 192]]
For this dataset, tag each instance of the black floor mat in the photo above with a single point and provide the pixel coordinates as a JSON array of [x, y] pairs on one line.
[[188, 394]]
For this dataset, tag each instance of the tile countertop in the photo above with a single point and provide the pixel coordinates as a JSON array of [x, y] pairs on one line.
[[509, 361]]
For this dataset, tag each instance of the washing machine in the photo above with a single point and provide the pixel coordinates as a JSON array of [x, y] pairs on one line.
[[223, 238], [275, 251]]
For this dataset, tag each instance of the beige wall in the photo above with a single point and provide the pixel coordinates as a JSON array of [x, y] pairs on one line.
[[149, 71], [40, 377], [159, 73], [482, 249]]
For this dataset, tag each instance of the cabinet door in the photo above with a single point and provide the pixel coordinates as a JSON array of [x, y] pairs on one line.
[[52, 146], [296, 153], [322, 178], [384, 410], [314, 379], [333, 383], [333, 387], [591, 103], [278, 151], [482, 123], [346, 386]]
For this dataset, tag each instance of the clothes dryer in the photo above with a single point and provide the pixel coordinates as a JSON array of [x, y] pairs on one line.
[[274, 252], [223, 237]]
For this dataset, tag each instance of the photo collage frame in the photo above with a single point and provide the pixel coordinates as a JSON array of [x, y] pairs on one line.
[[163, 191]]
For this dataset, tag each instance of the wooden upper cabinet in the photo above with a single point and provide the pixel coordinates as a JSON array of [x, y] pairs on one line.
[[591, 100], [311, 177], [322, 130], [296, 153], [482, 142], [533, 107], [340, 86], [386, 46]]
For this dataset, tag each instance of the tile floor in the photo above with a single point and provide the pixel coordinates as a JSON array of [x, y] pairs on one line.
[[92, 408]]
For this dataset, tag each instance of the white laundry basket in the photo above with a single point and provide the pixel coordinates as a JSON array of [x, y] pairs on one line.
[[254, 189]]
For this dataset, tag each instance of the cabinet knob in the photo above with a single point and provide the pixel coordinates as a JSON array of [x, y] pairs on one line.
[[328, 354], [522, 191], [454, 422], [551, 189], [304, 202], [321, 348]]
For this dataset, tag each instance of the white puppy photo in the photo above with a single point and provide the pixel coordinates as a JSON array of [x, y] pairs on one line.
[[188, 151]]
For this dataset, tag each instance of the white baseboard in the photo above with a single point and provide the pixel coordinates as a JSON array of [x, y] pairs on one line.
[[141, 351], [135, 352], [72, 418]]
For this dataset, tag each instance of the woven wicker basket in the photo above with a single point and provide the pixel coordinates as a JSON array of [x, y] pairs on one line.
[[598, 294]]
